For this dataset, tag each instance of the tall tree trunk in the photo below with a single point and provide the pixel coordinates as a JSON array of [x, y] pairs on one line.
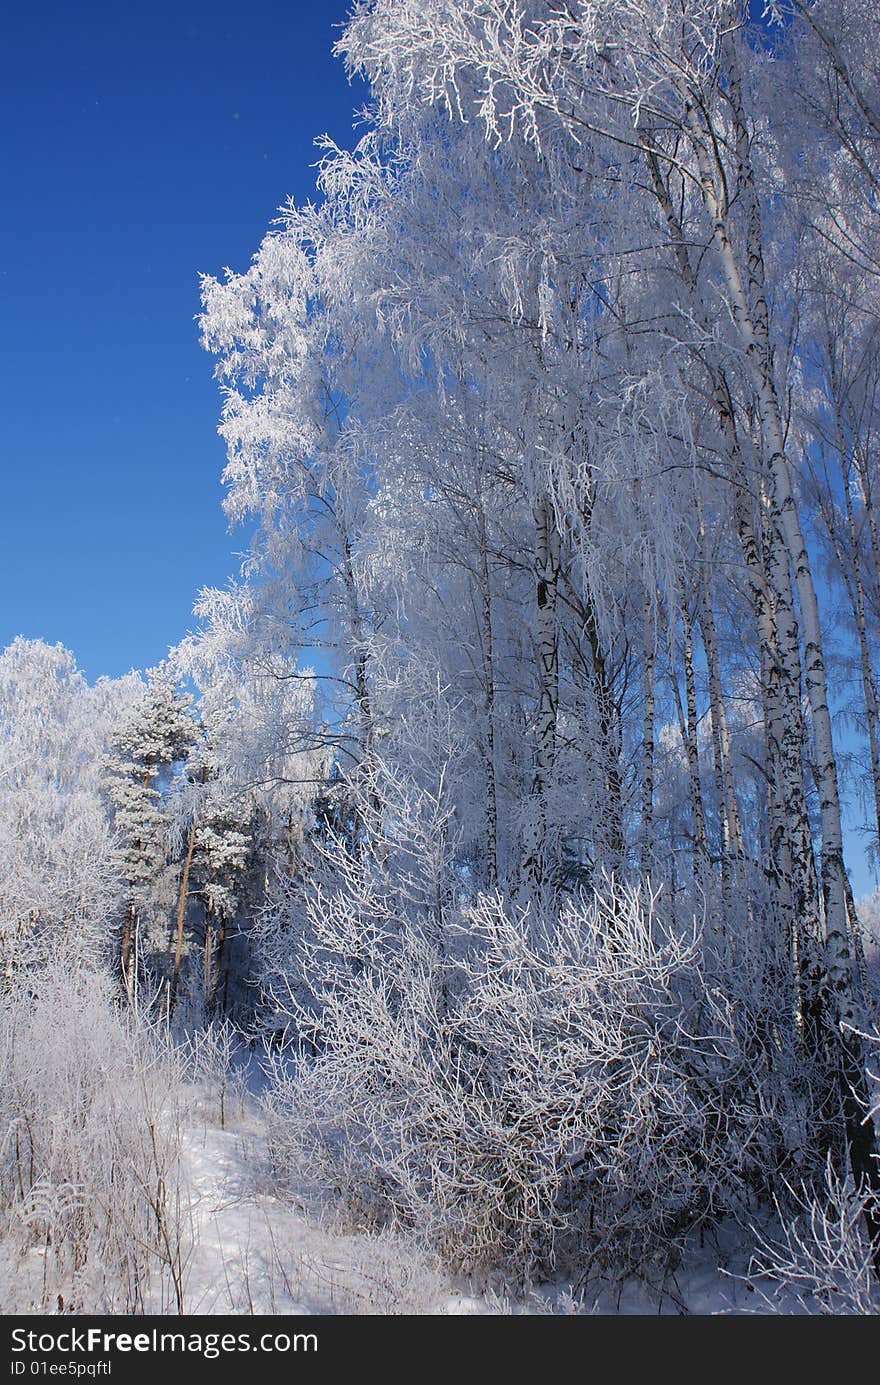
[[488, 700], [865, 473], [732, 827], [869, 682], [751, 321], [607, 816], [692, 749], [790, 856], [126, 941], [214, 961], [791, 863], [648, 710], [208, 977], [367, 766], [181, 916], [848, 561], [547, 567], [749, 311], [126, 949]]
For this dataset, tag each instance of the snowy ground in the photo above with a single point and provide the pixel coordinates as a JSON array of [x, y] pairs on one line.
[[254, 1253]]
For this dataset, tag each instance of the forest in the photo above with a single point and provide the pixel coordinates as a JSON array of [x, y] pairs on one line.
[[477, 876]]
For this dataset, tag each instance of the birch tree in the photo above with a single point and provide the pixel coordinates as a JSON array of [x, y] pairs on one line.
[[664, 88]]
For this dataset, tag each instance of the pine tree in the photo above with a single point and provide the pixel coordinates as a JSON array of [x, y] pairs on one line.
[[150, 742]]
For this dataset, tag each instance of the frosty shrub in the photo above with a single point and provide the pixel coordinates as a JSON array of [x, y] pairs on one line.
[[821, 1258], [209, 1055], [534, 1087], [90, 1213]]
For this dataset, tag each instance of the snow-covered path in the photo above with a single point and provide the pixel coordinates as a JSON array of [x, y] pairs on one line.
[[253, 1253]]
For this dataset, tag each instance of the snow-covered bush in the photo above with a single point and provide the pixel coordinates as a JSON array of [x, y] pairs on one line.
[[209, 1054], [542, 1086], [821, 1257], [90, 1209]]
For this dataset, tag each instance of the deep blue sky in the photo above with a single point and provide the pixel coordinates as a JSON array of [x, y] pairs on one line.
[[139, 145]]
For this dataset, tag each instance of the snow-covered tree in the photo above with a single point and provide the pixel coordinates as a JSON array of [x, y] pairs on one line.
[[147, 745], [60, 880]]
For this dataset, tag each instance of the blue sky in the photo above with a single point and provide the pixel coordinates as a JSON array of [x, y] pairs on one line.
[[140, 145]]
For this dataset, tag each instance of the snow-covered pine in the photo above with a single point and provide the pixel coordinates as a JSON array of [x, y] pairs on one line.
[[151, 740]]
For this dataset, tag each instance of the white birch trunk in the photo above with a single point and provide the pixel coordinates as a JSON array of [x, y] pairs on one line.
[[869, 682], [732, 827], [753, 329], [748, 307]]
